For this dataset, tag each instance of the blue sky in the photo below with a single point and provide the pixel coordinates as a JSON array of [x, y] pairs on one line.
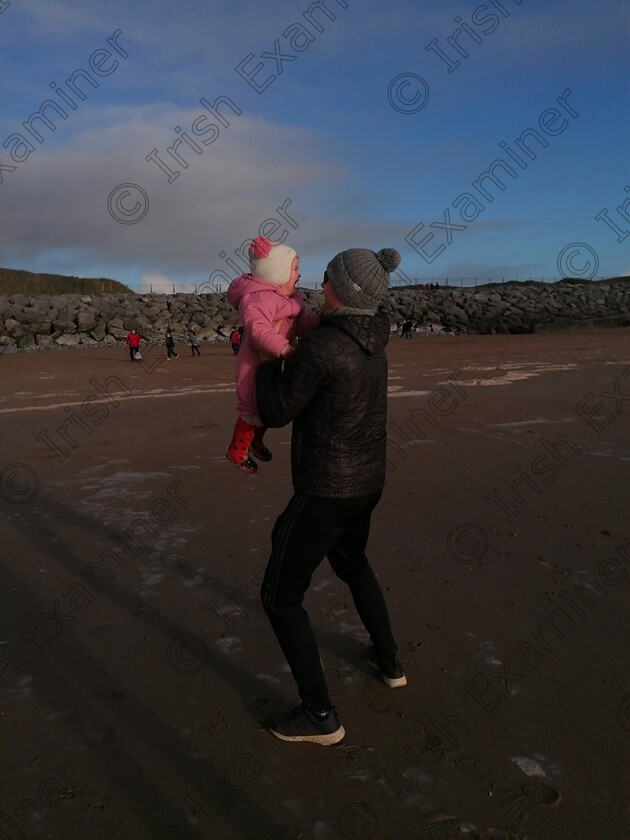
[[354, 135]]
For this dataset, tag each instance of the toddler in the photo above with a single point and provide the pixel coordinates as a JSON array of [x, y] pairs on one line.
[[272, 314]]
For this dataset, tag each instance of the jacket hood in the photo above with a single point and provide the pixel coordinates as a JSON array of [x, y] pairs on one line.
[[245, 285], [371, 332]]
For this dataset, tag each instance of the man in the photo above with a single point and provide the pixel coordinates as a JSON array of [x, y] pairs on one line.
[[334, 389], [194, 342], [170, 346]]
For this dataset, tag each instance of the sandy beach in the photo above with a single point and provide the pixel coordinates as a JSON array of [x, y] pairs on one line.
[[137, 666]]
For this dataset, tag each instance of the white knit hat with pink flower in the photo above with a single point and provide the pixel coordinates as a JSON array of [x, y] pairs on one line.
[[271, 261]]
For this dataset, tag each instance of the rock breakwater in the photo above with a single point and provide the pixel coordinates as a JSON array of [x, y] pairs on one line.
[[43, 322]]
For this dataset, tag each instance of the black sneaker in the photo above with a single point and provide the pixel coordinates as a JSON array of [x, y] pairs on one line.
[[391, 669], [301, 725]]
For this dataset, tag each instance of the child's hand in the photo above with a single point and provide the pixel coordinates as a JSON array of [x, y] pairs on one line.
[[286, 351]]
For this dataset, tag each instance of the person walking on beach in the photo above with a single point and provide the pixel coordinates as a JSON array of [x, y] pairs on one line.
[[133, 343], [235, 340], [272, 314], [334, 389], [170, 346], [194, 342]]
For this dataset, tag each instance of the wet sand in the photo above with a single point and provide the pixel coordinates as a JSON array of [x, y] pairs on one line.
[[132, 694]]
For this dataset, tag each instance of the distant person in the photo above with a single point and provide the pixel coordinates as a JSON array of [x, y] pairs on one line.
[[334, 390], [406, 329], [170, 346], [272, 314], [194, 342], [235, 340], [133, 343]]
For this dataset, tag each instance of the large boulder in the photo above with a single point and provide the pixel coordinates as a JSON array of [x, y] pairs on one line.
[[45, 342], [99, 331], [14, 328], [68, 340], [117, 331], [86, 320], [7, 345], [63, 324], [42, 327], [26, 341]]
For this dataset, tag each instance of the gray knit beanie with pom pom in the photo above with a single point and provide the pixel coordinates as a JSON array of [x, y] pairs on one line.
[[360, 277]]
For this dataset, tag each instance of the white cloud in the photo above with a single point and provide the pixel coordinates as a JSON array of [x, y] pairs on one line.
[[58, 196], [355, 163]]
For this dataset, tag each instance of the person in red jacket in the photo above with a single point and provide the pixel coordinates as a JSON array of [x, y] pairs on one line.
[[235, 339], [133, 343]]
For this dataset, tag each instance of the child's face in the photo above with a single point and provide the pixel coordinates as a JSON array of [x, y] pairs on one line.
[[294, 276]]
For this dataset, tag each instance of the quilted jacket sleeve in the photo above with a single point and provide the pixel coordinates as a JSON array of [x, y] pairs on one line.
[[282, 395], [306, 322]]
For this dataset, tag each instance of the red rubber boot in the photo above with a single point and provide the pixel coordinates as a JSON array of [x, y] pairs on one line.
[[238, 450], [258, 448]]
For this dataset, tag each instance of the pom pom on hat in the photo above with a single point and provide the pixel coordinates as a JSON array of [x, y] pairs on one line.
[[389, 258], [270, 261], [360, 277], [259, 248]]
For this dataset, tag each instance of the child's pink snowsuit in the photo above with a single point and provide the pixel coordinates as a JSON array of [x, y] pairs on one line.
[[261, 305]]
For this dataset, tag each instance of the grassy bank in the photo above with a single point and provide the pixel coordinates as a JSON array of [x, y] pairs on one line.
[[16, 282]]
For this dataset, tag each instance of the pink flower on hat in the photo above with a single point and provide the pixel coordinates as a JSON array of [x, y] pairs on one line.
[[260, 248]]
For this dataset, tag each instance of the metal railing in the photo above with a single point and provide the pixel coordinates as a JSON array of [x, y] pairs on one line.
[[425, 283]]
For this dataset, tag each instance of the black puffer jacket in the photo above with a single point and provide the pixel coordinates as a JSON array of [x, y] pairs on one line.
[[334, 389]]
